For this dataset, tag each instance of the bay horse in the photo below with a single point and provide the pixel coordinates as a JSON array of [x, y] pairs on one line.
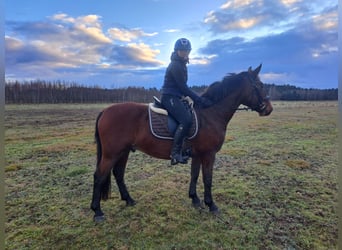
[[124, 127]]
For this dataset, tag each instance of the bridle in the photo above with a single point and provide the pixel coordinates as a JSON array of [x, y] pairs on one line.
[[261, 106]]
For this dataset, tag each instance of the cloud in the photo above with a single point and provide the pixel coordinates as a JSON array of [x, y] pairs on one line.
[[305, 55], [239, 4], [295, 40], [171, 30], [239, 14], [202, 60], [265, 16], [19, 53], [88, 26], [134, 55], [63, 43], [127, 35], [326, 20]]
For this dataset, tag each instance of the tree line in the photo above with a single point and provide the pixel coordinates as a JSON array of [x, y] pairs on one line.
[[39, 91]]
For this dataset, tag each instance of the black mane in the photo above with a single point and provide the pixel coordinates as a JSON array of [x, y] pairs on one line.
[[220, 89]]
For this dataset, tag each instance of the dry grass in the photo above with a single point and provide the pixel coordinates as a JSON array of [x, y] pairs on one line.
[[275, 182]]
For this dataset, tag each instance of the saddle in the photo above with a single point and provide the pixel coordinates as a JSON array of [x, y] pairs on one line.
[[163, 126]]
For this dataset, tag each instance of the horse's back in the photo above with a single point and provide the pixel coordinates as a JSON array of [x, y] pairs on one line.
[[127, 109], [120, 122]]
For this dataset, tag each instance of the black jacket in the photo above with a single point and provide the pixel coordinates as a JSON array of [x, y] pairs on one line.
[[176, 77]]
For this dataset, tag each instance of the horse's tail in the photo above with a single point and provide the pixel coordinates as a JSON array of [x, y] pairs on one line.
[[106, 186], [98, 140]]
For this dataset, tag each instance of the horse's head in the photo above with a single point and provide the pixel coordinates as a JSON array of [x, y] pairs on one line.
[[256, 96]]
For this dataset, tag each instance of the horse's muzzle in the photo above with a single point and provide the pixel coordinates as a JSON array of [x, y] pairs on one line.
[[266, 108]]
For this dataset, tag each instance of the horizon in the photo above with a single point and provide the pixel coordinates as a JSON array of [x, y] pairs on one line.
[[138, 86]]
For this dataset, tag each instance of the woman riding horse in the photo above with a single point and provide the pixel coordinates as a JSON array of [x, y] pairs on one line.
[[173, 90], [124, 127]]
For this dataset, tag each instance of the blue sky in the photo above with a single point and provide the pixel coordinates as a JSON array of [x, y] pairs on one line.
[[128, 43]]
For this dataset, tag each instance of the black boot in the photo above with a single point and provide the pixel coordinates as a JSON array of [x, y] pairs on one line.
[[176, 151]]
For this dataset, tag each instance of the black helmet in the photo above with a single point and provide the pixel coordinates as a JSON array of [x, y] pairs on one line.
[[182, 44]]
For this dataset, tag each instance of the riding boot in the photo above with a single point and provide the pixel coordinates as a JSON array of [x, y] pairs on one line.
[[176, 151]]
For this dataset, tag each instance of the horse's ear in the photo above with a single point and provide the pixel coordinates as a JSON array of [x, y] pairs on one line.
[[250, 69], [257, 70]]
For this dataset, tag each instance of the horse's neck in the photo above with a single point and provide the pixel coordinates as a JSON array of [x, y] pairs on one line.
[[224, 110]]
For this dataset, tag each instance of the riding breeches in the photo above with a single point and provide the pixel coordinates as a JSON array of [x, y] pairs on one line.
[[178, 110]]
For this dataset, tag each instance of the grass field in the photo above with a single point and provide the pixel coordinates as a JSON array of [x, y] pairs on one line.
[[275, 181]]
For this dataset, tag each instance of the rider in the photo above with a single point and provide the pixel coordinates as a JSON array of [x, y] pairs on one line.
[[173, 90]]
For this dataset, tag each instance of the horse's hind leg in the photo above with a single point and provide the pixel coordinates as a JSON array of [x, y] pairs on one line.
[[119, 174], [101, 187]]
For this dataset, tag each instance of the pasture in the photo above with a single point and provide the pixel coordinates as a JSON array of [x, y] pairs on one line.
[[275, 182]]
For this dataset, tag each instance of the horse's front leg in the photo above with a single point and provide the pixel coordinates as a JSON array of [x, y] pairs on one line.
[[207, 172], [195, 170]]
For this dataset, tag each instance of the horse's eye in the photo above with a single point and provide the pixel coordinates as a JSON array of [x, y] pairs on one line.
[[259, 84]]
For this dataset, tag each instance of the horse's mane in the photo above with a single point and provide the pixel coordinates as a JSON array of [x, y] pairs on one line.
[[220, 89]]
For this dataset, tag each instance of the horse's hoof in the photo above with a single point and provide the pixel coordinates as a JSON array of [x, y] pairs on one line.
[[214, 209], [99, 218], [215, 212], [131, 203], [197, 205]]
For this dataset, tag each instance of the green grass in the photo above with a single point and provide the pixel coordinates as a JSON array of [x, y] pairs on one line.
[[275, 181]]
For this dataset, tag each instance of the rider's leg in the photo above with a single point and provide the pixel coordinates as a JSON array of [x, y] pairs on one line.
[[182, 114]]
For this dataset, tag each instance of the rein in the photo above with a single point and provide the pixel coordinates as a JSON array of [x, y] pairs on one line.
[[261, 106]]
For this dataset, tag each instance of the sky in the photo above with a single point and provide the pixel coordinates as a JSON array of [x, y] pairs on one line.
[[114, 44]]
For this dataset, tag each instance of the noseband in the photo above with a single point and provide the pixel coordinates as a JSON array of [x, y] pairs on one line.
[[261, 106]]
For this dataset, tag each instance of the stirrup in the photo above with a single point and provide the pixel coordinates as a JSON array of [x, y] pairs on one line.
[[178, 159]]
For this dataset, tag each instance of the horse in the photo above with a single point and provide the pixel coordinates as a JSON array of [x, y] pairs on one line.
[[124, 127]]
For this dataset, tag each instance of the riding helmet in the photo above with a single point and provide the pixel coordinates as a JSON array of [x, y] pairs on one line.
[[182, 44]]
